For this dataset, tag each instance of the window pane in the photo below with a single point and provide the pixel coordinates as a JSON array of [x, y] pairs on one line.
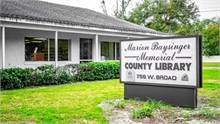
[[117, 51], [52, 50], [34, 49], [108, 51], [63, 50], [85, 48], [41, 45]]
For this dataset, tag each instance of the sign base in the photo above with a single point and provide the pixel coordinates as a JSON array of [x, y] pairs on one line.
[[184, 97]]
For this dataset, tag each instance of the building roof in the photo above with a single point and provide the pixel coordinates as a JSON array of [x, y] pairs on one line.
[[35, 10]]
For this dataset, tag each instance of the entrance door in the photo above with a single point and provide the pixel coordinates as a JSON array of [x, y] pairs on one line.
[[85, 50]]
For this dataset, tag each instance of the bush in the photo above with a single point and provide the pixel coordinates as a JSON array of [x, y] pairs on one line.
[[45, 75], [50, 75], [16, 78], [98, 71], [65, 74]]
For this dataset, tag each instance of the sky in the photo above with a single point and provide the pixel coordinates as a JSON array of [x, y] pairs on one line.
[[208, 8]]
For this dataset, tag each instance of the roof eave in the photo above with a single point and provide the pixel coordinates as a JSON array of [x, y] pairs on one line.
[[85, 27]]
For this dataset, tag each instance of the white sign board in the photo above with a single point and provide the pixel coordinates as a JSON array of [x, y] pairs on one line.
[[169, 61]]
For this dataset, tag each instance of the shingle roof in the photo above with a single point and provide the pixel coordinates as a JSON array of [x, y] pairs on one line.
[[55, 13]]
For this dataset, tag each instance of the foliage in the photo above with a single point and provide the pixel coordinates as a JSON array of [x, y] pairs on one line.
[[142, 112], [178, 17], [98, 71], [121, 7], [16, 78], [72, 68], [211, 40], [206, 112], [163, 15], [209, 29], [153, 103], [45, 75], [119, 104], [195, 28], [50, 75], [147, 109]]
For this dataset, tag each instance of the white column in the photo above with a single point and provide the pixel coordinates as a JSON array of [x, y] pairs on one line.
[[56, 49], [3, 47], [96, 48]]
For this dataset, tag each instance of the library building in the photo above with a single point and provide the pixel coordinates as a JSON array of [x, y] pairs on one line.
[[34, 33]]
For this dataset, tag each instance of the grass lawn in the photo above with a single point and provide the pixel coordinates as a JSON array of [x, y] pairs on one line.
[[211, 64], [211, 87], [72, 103], [211, 74], [78, 103]]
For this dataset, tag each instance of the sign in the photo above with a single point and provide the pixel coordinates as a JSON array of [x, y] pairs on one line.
[[169, 61]]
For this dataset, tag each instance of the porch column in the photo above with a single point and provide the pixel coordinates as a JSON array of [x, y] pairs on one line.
[[3, 47], [96, 48], [56, 48]]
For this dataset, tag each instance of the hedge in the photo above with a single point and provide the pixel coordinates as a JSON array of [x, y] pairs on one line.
[[98, 71], [17, 78]]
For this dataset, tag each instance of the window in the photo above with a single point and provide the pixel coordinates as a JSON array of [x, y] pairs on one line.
[[85, 49], [117, 51], [110, 51], [43, 49]]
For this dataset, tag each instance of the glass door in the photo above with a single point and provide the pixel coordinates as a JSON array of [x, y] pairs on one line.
[[85, 50]]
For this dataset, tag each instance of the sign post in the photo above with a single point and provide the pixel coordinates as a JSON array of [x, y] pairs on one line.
[[167, 69]]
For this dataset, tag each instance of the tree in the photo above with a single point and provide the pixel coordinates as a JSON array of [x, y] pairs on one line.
[[164, 15], [195, 28], [103, 7], [209, 29], [121, 7], [211, 37]]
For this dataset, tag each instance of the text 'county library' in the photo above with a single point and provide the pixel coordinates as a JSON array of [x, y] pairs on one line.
[[35, 33]]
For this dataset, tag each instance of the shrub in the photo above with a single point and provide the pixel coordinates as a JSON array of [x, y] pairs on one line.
[[98, 71], [16, 78], [50, 75], [45, 75], [72, 68], [64, 74]]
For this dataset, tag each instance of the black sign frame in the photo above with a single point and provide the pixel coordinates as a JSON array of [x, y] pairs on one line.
[[198, 62]]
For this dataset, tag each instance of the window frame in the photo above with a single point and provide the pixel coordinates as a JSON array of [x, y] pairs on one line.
[[115, 50], [48, 50], [86, 60]]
